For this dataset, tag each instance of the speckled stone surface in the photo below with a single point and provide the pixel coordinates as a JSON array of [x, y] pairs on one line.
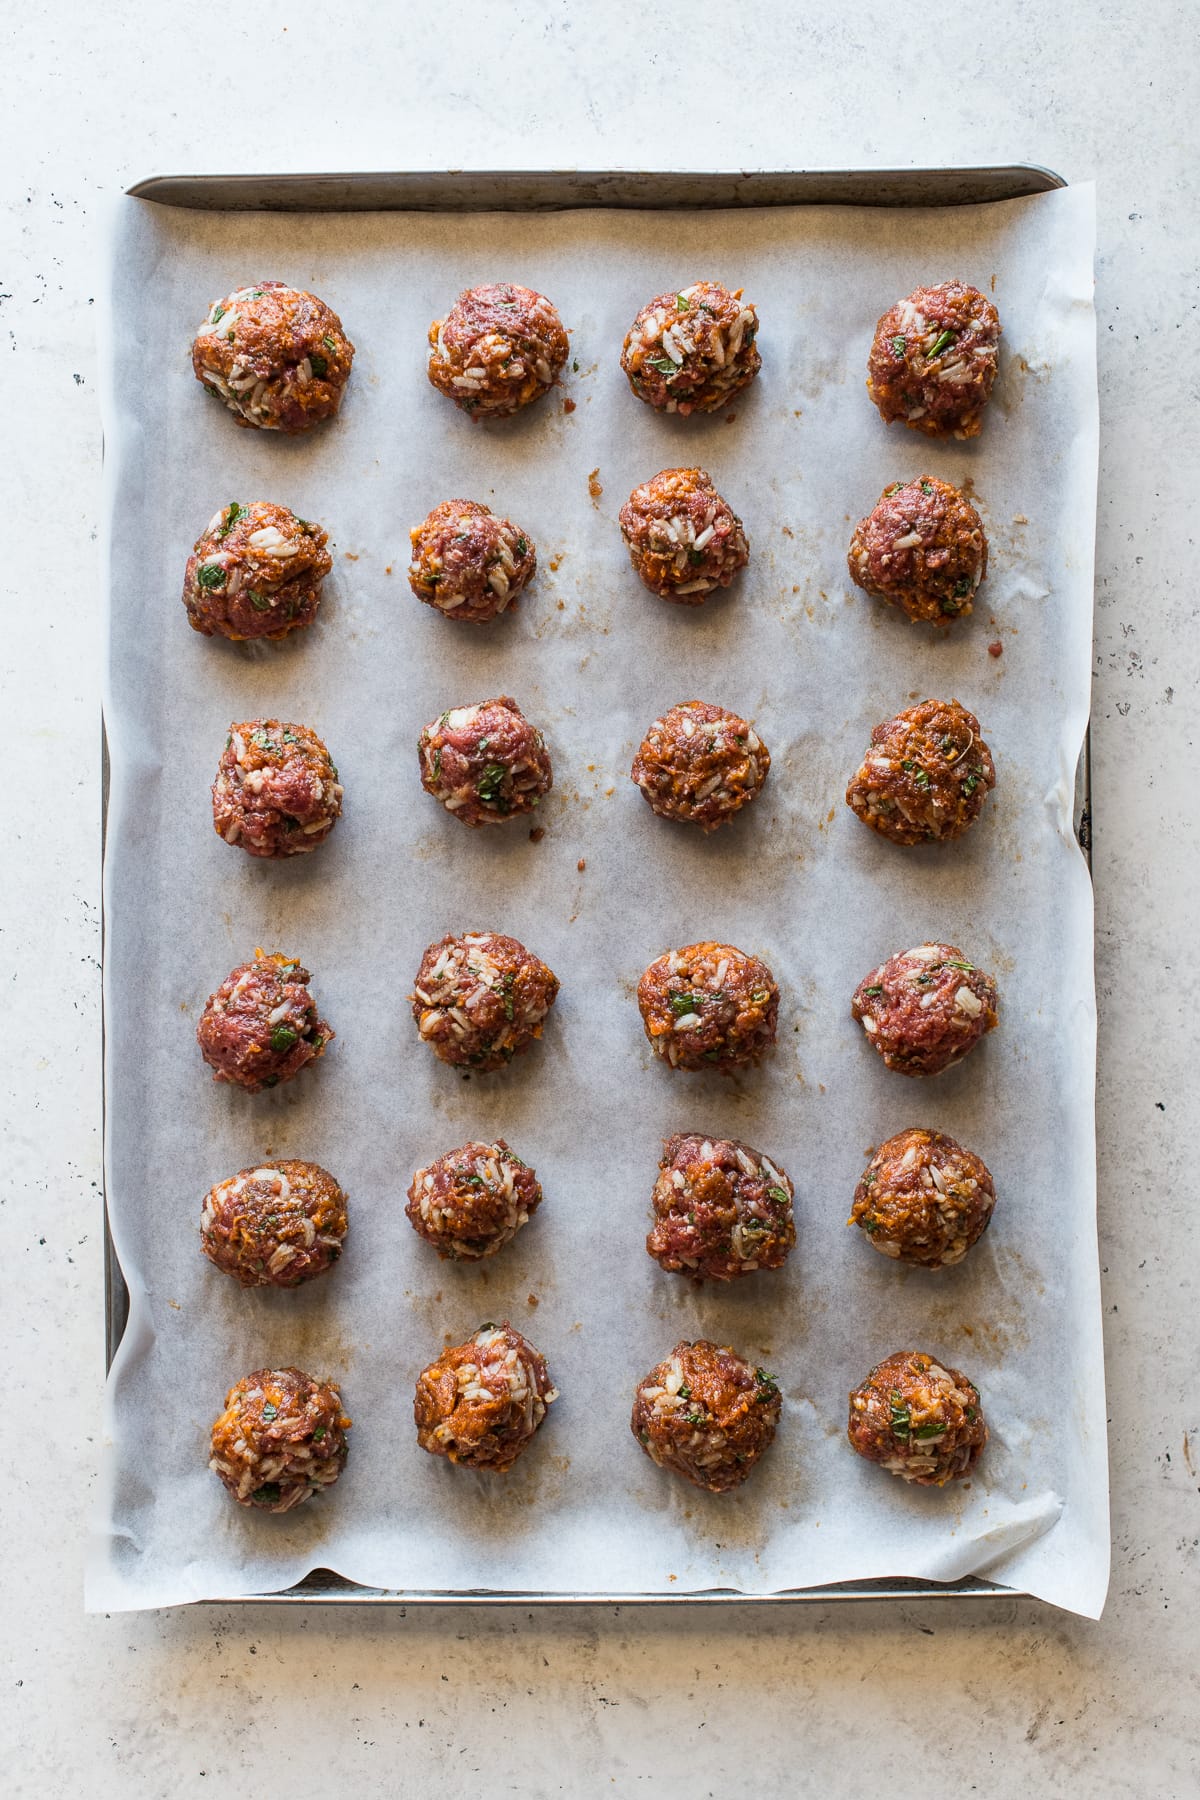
[[1001, 1697]]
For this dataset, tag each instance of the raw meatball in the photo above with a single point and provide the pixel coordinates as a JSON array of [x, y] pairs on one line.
[[692, 351], [276, 792], [705, 1414], [499, 348], [709, 1006], [482, 999], [256, 571], [925, 777], [276, 356], [684, 540], [700, 764], [918, 1420], [262, 1025], [933, 360], [472, 1201], [721, 1210], [924, 1199], [481, 1402], [485, 763], [275, 1225], [922, 549], [281, 1438], [468, 563], [924, 1009]]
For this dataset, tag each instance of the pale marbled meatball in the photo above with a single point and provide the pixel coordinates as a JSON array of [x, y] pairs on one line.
[[277, 1224], [482, 999], [923, 1199], [923, 549], [721, 1210], [692, 350], [469, 564], [472, 1201], [277, 791], [485, 763], [281, 1438], [918, 1420], [276, 356], [480, 1403], [933, 360], [708, 1006], [262, 1027], [924, 1009], [255, 572], [926, 775], [704, 1413], [499, 348], [700, 765], [683, 538]]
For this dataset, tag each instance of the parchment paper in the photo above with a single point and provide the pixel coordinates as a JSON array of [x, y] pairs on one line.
[[594, 658]]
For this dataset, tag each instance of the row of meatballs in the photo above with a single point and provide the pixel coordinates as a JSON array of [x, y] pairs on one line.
[[279, 358]]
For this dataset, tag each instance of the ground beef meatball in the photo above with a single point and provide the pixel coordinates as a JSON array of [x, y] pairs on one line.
[[276, 356], [925, 777], [481, 1402], [919, 1420], [276, 792], [924, 1009], [262, 1025], [922, 549], [692, 351], [721, 1210], [485, 763], [705, 1414], [924, 1199], [709, 1006], [276, 1225], [255, 571], [480, 1000], [700, 764], [281, 1438], [468, 563], [684, 540], [933, 360], [498, 349], [472, 1201]]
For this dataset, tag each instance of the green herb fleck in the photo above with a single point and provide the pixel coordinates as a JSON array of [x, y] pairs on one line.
[[872, 990], [899, 346], [901, 1417], [258, 601], [283, 1037], [767, 1383], [947, 337], [211, 575], [682, 1004], [933, 1429], [268, 1495], [318, 1434], [218, 313], [962, 586], [319, 365], [490, 784], [970, 784], [330, 344], [663, 364], [681, 303], [685, 1392], [522, 546], [233, 513]]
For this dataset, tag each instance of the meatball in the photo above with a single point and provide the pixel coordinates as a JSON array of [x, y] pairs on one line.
[[709, 1006], [276, 1225], [924, 1199], [481, 1402], [480, 1000], [281, 1438], [700, 764], [684, 540], [499, 348], [919, 1420], [705, 1414], [468, 563], [922, 549], [924, 1009], [933, 360], [485, 763], [276, 792], [721, 1210], [472, 1201], [692, 351], [925, 777], [255, 572], [262, 1025], [276, 356]]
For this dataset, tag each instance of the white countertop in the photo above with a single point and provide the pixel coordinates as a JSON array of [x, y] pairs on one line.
[[1012, 1697]]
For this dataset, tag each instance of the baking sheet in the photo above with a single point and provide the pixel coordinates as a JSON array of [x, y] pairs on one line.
[[593, 658]]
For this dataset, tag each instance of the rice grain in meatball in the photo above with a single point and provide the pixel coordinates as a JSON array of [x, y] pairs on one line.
[[480, 1000], [683, 539], [255, 572], [692, 351], [276, 356], [700, 765], [923, 549], [277, 1224], [923, 1199], [705, 1414], [281, 1437], [925, 777], [709, 1006], [277, 791], [499, 348], [933, 360], [261, 1027], [468, 563], [924, 1009], [721, 1210], [918, 1420], [480, 1403], [485, 763], [473, 1200]]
